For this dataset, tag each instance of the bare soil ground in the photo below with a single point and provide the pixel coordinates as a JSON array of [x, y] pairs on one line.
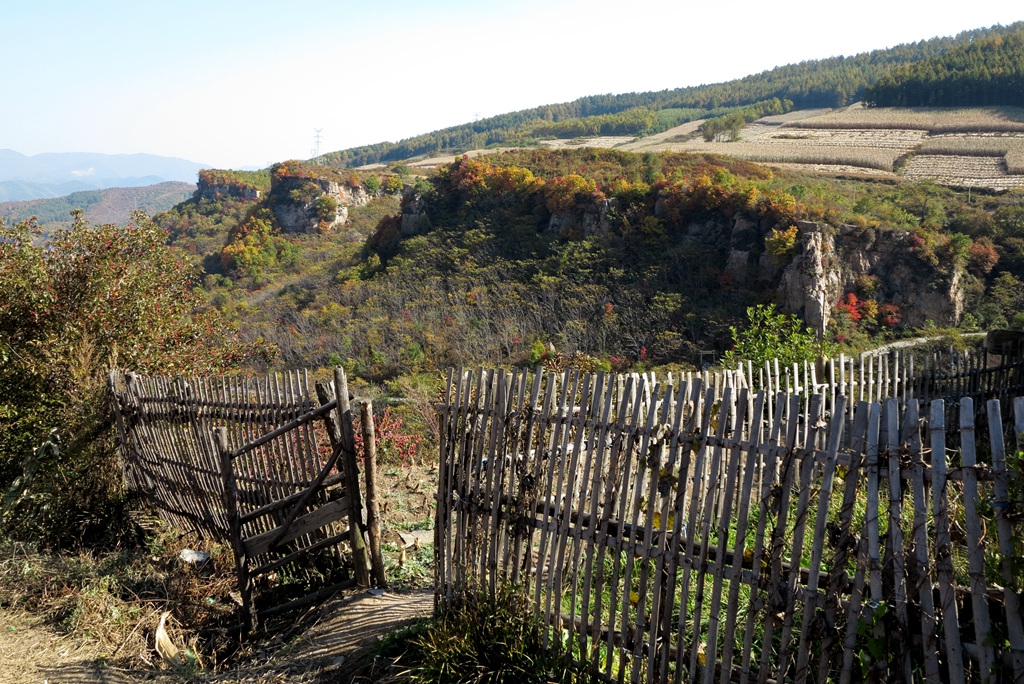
[[317, 645], [328, 647]]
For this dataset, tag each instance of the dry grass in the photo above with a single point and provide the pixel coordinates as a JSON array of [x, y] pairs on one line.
[[110, 604], [931, 119]]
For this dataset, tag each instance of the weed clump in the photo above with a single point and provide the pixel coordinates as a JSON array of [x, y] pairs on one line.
[[484, 639]]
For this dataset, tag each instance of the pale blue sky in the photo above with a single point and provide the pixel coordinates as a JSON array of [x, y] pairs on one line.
[[233, 84]]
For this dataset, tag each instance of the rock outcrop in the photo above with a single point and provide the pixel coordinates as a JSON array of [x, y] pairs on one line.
[[830, 260], [300, 208], [414, 214], [584, 220], [827, 265]]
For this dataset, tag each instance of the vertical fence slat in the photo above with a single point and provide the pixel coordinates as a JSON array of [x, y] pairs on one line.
[[706, 516], [527, 486], [696, 491], [776, 601], [565, 497], [953, 654], [922, 576], [811, 595], [871, 515], [895, 551], [847, 543], [724, 524], [598, 447], [680, 452], [1004, 529], [768, 477], [549, 531], [611, 489], [975, 545], [808, 462], [623, 482], [650, 464], [749, 450]]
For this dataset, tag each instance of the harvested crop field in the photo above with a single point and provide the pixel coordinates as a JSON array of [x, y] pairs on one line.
[[962, 171], [665, 137], [853, 137], [933, 119], [603, 141], [835, 169], [981, 148], [802, 152], [795, 115], [1007, 145]]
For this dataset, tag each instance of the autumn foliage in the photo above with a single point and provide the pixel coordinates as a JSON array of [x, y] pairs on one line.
[[89, 299]]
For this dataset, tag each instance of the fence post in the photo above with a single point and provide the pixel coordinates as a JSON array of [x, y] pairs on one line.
[[372, 507], [344, 411], [235, 528], [336, 432]]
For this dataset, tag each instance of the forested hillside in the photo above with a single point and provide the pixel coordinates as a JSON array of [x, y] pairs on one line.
[[113, 205], [986, 72], [831, 82], [606, 257]]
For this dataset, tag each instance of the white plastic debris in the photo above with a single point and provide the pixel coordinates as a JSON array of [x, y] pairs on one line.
[[192, 556]]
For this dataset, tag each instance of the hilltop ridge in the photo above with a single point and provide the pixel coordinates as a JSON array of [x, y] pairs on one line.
[[830, 82]]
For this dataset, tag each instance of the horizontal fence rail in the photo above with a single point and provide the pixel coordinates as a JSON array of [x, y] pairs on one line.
[[683, 533]]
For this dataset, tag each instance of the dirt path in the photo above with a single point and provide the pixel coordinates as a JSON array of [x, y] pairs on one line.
[[334, 632]]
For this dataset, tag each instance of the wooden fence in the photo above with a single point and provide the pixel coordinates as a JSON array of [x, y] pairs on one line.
[[667, 535], [901, 374], [239, 460]]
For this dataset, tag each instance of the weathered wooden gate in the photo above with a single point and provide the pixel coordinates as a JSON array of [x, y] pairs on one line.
[[667, 534], [238, 459]]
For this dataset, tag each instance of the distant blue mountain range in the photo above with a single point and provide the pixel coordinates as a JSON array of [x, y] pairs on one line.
[[56, 174]]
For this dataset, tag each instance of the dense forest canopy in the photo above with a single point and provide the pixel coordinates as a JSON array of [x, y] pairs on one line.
[[831, 82], [987, 72]]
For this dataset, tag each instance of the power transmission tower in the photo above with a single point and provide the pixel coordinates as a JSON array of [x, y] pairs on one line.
[[316, 145]]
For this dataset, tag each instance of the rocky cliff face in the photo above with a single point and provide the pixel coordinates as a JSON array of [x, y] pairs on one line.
[[299, 208], [827, 264], [414, 214], [584, 220], [830, 260]]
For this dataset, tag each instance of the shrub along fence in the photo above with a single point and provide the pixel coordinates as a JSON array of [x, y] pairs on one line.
[[982, 373], [238, 460], [666, 535]]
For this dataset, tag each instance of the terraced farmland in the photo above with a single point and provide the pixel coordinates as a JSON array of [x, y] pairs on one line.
[[881, 158], [931, 119], [980, 148], [962, 171], [976, 148]]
